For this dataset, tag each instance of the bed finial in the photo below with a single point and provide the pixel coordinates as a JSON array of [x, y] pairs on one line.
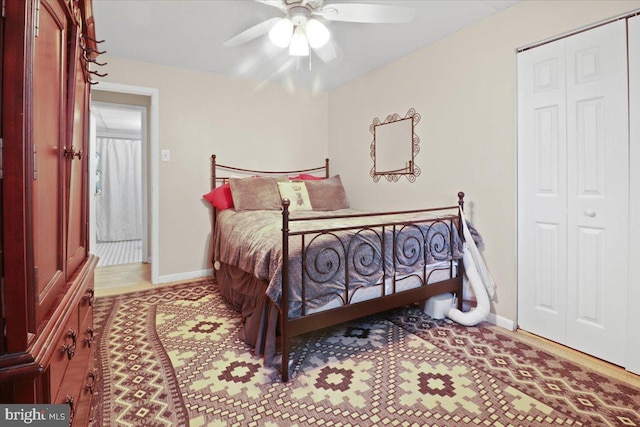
[[326, 167], [461, 199], [213, 171]]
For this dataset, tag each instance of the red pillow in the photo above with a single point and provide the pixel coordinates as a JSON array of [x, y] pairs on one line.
[[306, 177], [220, 197]]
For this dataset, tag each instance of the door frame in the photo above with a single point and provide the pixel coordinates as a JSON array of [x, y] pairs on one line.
[[143, 169], [153, 163]]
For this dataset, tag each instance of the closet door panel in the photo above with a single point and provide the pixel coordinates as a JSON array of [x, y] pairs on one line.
[[598, 188], [542, 191], [633, 298], [48, 131]]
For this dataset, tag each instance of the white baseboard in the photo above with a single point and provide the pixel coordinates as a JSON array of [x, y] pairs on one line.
[[503, 322], [179, 277]]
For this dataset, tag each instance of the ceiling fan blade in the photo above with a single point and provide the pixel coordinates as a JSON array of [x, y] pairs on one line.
[[366, 13], [275, 3], [251, 33], [327, 52]]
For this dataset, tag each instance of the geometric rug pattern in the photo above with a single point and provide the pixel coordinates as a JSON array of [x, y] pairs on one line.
[[172, 356]]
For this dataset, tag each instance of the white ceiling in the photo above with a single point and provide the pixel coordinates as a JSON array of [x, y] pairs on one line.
[[190, 34], [120, 120]]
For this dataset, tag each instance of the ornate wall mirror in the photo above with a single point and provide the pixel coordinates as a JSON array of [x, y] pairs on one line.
[[394, 147]]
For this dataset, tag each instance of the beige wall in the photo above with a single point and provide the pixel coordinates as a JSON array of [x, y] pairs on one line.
[[464, 87], [202, 114]]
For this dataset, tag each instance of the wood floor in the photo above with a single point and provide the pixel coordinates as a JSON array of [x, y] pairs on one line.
[[124, 278], [119, 279]]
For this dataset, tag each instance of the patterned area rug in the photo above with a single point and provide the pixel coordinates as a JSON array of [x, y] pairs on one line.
[[172, 357]]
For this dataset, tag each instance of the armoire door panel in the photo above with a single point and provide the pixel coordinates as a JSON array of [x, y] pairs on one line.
[[76, 252], [598, 190], [78, 103], [48, 130]]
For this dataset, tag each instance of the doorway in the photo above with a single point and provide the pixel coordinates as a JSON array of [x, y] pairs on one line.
[[147, 99], [120, 183]]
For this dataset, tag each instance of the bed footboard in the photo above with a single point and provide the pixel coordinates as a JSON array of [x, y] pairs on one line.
[[404, 252]]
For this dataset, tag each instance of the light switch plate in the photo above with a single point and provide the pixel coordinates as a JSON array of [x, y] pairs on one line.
[[165, 155]]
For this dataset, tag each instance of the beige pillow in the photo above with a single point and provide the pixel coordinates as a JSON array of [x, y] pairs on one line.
[[297, 194], [256, 193], [327, 194]]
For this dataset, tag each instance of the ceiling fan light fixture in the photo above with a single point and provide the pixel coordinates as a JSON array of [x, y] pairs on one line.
[[299, 45], [281, 33], [317, 33]]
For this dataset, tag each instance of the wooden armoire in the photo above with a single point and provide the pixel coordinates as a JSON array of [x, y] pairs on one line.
[[48, 48]]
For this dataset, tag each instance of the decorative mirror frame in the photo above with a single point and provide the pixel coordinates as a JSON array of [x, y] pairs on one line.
[[411, 171]]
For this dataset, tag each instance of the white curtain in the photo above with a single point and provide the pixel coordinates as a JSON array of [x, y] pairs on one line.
[[118, 189]]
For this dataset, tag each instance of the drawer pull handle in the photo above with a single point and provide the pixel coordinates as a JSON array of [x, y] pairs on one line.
[[69, 401], [89, 297], [70, 349], [93, 378], [89, 341]]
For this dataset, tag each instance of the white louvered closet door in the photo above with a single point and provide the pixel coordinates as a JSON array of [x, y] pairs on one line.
[[573, 191]]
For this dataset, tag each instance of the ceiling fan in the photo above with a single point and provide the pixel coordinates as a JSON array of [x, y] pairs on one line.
[[300, 29]]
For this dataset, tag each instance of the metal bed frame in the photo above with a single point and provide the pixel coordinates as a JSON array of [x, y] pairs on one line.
[[291, 327]]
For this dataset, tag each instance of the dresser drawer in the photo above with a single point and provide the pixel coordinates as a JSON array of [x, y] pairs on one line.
[[83, 407], [83, 412], [66, 346], [77, 391], [79, 381]]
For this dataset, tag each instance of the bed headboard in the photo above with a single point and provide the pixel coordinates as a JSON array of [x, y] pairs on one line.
[[217, 179]]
